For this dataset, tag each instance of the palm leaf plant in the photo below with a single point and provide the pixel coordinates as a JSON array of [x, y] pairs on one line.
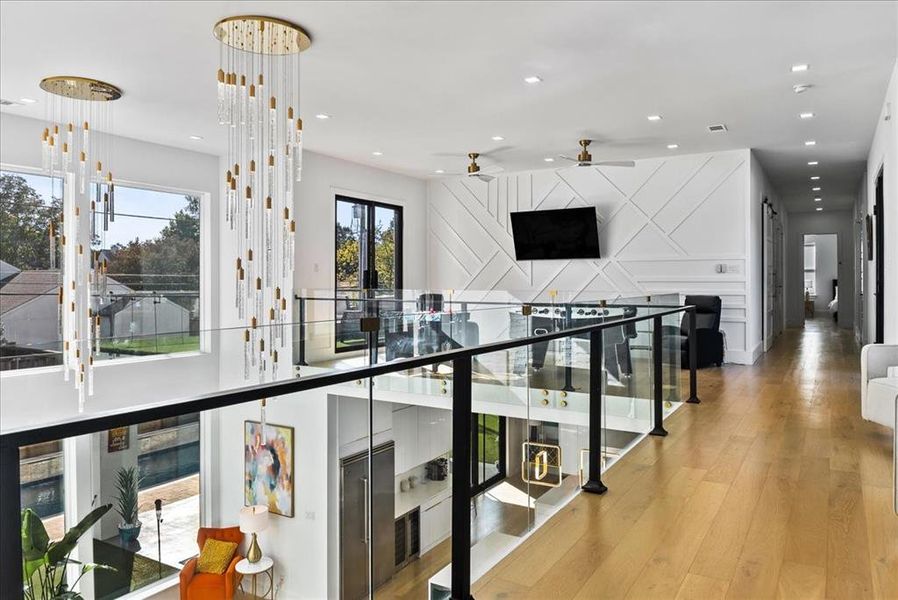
[[44, 563], [126, 484]]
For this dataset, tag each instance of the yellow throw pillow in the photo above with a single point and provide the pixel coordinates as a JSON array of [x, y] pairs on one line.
[[216, 556]]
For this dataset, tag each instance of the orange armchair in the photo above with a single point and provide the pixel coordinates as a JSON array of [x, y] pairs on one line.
[[209, 586]]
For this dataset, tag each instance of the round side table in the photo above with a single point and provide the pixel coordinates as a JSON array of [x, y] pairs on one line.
[[248, 569]]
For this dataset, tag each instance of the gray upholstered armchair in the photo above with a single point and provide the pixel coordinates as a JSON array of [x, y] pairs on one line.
[[879, 395]]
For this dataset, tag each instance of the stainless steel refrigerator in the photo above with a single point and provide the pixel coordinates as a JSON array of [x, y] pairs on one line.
[[354, 515]]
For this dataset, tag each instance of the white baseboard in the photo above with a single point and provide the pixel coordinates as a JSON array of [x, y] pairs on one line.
[[744, 357]]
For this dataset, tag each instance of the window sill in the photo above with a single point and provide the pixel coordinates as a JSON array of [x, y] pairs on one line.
[[103, 364]]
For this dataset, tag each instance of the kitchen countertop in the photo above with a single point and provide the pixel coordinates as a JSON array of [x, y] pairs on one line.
[[424, 491]]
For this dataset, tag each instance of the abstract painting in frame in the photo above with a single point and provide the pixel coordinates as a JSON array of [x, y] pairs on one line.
[[268, 467]]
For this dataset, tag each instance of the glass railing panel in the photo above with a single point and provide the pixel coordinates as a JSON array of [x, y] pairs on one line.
[[673, 340], [413, 551]]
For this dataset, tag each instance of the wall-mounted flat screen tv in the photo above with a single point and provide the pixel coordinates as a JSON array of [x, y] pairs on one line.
[[555, 234]]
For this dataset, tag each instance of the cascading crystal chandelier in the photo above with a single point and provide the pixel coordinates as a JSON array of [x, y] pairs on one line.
[[258, 103], [75, 152]]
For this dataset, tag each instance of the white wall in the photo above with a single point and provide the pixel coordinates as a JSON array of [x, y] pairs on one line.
[[826, 268], [40, 396], [839, 222], [299, 545], [884, 156], [663, 227]]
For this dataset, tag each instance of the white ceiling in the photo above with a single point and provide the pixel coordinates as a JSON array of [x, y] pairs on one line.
[[426, 82]]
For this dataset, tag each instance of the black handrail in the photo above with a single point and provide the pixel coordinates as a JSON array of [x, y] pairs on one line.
[[11, 441]]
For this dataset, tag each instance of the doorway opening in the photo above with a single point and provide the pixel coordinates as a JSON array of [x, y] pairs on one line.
[[821, 276]]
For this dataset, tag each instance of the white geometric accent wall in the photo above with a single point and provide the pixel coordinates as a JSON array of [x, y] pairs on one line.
[[664, 226]]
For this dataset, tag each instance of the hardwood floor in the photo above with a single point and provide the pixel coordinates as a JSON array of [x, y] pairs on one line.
[[772, 487]]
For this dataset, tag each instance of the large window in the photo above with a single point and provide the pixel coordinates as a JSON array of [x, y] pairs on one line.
[[368, 262], [161, 461], [149, 303]]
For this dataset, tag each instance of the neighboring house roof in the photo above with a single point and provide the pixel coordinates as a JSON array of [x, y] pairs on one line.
[[29, 285], [7, 271], [26, 286]]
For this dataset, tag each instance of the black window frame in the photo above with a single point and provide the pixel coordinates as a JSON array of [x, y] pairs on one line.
[[370, 207]]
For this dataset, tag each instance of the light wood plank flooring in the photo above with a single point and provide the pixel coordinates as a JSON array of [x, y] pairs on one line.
[[773, 487]]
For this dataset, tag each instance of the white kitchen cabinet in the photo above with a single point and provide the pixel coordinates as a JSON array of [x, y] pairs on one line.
[[436, 523], [434, 433], [405, 433], [353, 418]]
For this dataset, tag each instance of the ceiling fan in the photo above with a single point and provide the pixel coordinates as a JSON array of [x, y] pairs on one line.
[[475, 171], [584, 159]]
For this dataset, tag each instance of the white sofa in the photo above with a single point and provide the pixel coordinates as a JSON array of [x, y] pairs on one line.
[[879, 394]]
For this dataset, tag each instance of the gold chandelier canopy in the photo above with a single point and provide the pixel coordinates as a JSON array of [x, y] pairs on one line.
[[81, 88], [262, 35]]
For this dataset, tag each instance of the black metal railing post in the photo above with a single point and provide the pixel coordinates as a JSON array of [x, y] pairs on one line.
[[461, 478], [657, 366], [594, 483], [10, 519], [693, 359]]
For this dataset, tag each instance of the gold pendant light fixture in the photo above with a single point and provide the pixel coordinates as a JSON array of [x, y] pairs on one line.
[[258, 103], [77, 151]]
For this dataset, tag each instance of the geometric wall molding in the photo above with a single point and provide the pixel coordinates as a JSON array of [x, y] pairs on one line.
[[664, 226]]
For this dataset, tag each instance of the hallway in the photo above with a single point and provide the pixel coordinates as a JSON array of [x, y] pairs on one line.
[[772, 487]]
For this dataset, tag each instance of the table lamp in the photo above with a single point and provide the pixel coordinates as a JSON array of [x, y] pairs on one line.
[[254, 519]]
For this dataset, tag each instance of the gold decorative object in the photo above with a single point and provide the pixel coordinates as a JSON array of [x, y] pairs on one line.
[[76, 154], [258, 103], [537, 462]]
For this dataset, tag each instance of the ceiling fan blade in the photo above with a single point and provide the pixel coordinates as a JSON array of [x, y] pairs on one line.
[[568, 158], [483, 177], [492, 169], [614, 163]]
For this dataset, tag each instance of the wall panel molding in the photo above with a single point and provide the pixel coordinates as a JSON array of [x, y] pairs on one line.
[[664, 226]]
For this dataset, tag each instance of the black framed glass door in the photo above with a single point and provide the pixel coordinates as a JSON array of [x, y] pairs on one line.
[[489, 456], [368, 262]]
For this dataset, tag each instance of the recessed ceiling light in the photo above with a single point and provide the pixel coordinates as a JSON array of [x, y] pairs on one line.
[[819, 208], [377, 153], [817, 199], [815, 177], [654, 117], [813, 163], [799, 68], [533, 79], [673, 146], [439, 171], [27, 100], [549, 159], [195, 137], [810, 143], [800, 88], [806, 115], [322, 116], [815, 189], [497, 138]]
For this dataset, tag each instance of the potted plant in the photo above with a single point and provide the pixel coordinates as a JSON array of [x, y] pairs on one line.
[[44, 563], [126, 484]]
